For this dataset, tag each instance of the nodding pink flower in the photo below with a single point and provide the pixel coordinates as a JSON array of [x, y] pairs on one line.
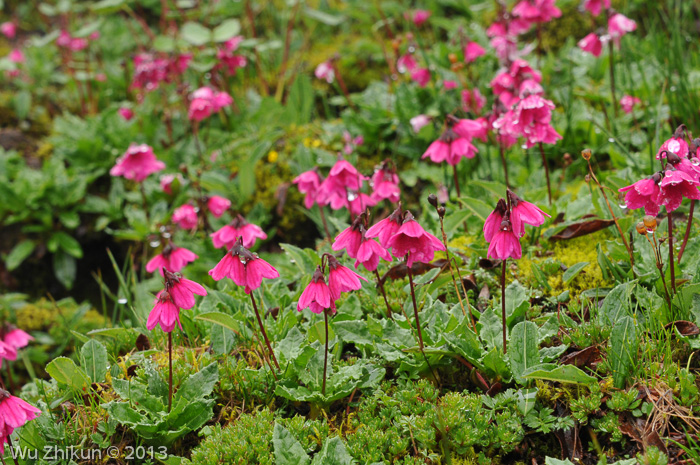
[[493, 221], [472, 51], [674, 186], [505, 243], [182, 290], [206, 101], [472, 100], [317, 296], [227, 59], [14, 413], [418, 122], [325, 71], [385, 184], [503, 86], [218, 205], [78, 44], [308, 183], [369, 253], [359, 202], [185, 216], [619, 25], [420, 16], [522, 212], [341, 278], [244, 268], [596, 6], [228, 235], [532, 116], [536, 11], [421, 76], [644, 193], [166, 182], [16, 56], [341, 187], [351, 142], [469, 129], [126, 113], [591, 44], [8, 29], [11, 340], [691, 167], [385, 228], [345, 174], [627, 103], [413, 241], [172, 258], [449, 85], [137, 163], [64, 39], [676, 144], [164, 313], [406, 63], [450, 147], [350, 238]]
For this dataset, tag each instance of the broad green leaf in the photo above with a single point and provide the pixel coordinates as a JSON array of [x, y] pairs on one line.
[[66, 243], [223, 340], [355, 332], [195, 33], [64, 268], [94, 360], [559, 373], [19, 253], [573, 271], [199, 385], [617, 303], [623, 350], [226, 30], [522, 349], [107, 6], [322, 17], [222, 319], [477, 207], [288, 451], [65, 371], [300, 258], [333, 453]]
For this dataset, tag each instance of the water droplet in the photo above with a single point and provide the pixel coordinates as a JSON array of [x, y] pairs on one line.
[[167, 235], [523, 146], [292, 261], [622, 205], [650, 231], [122, 301], [207, 76], [672, 88], [154, 244], [516, 122], [411, 49], [352, 196], [611, 140], [695, 161]]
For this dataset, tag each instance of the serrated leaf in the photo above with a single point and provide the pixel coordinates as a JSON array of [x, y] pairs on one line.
[[333, 453], [200, 384], [94, 360], [288, 451]]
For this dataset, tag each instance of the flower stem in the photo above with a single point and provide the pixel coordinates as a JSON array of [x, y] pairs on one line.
[[325, 224], [145, 204], [415, 308], [503, 304], [449, 265], [262, 330], [670, 252], [501, 150], [10, 382], [546, 173], [687, 230], [380, 285], [170, 374], [325, 358], [12, 450], [456, 178]]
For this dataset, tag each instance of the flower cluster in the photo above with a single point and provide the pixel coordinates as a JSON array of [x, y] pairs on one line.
[[243, 267], [178, 294], [319, 296], [137, 163], [237, 229], [152, 70], [205, 101], [227, 57]]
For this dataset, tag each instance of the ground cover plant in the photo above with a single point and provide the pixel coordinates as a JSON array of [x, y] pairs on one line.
[[348, 232]]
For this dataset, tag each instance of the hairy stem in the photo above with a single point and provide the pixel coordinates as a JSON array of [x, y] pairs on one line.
[[670, 252], [380, 285], [503, 304], [262, 330], [325, 358], [170, 371]]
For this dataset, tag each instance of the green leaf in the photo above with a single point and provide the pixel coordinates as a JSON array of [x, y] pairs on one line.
[[491, 331], [477, 207], [288, 451], [355, 332], [300, 101], [64, 268], [222, 319], [289, 348], [302, 259], [93, 358], [164, 44], [65, 371], [195, 33], [623, 350], [323, 17], [333, 453], [617, 303], [559, 373], [66, 243], [523, 349], [23, 103], [19, 253], [573, 271], [199, 385], [223, 340], [107, 6], [553, 461], [226, 30]]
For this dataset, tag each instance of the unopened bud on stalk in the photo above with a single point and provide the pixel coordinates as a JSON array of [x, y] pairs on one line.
[[432, 200], [452, 57], [587, 178], [641, 228], [441, 211], [649, 222], [567, 159], [586, 154]]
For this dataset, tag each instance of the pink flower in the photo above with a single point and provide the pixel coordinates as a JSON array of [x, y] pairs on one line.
[[420, 16], [78, 44], [164, 313], [385, 184], [359, 202], [11, 340], [406, 63], [596, 6], [591, 44], [16, 56], [238, 228], [308, 183], [522, 212], [8, 29], [200, 109], [126, 113], [449, 85], [369, 253], [64, 39], [472, 100], [100, 77], [472, 51], [350, 238], [325, 71], [536, 11], [418, 122], [384, 229], [228, 59], [351, 142], [505, 244], [421, 76], [166, 182], [532, 117], [317, 295], [341, 278], [243, 268], [205, 101], [218, 205], [172, 258], [469, 129], [628, 103], [341, 186], [182, 290], [619, 25], [691, 168], [450, 147], [137, 163], [494, 220], [412, 241], [185, 216], [676, 144], [94, 35], [644, 193], [674, 186], [14, 413]]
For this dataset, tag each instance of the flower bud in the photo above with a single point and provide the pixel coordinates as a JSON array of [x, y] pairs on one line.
[[586, 154], [452, 57], [641, 229], [587, 178], [432, 200], [441, 211], [567, 159], [649, 222]]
